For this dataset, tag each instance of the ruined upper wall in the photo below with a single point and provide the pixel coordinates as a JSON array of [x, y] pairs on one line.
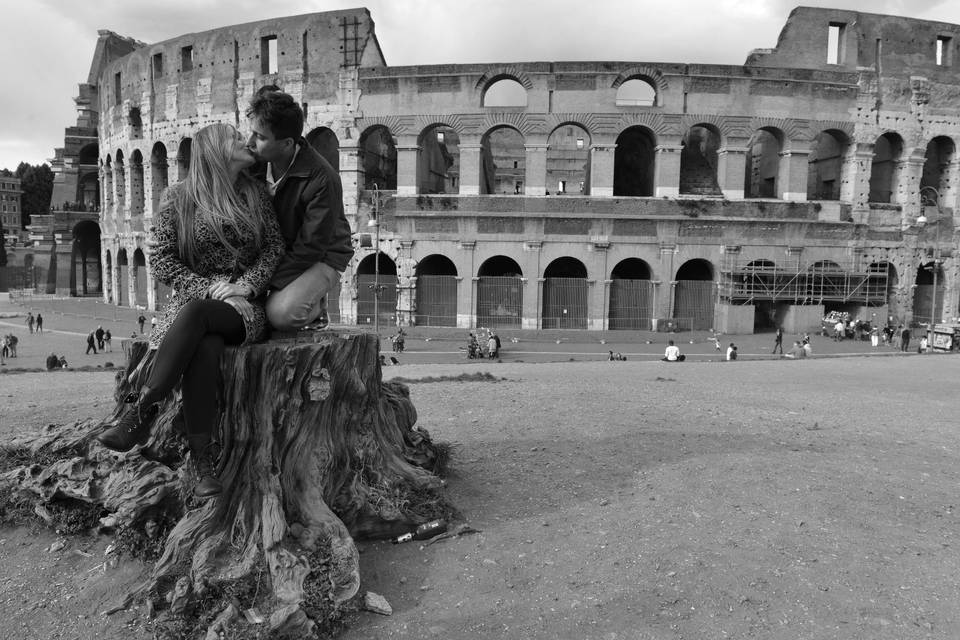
[[196, 75], [905, 46]]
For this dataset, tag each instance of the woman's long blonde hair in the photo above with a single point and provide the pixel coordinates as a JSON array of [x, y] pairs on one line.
[[209, 194]]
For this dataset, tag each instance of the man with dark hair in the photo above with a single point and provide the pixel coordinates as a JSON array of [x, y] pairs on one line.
[[308, 199]]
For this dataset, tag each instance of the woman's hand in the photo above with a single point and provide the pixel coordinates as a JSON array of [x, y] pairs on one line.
[[243, 307], [224, 290]]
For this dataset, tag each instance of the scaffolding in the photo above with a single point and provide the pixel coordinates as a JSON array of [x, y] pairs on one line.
[[823, 282]]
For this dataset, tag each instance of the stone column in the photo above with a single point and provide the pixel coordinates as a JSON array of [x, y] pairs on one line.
[[597, 295], [532, 312], [406, 285], [467, 297], [471, 317], [407, 157], [792, 175], [666, 172], [731, 168], [115, 278], [601, 169], [132, 278], [535, 172], [151, 283], [906, 189], [470, 168], [855, 179]]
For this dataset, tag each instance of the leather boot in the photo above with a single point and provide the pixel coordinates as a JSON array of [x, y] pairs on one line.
[[132, 428], [203, 466]]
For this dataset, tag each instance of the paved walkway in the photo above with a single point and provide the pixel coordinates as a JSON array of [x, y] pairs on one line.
[[67, 321]]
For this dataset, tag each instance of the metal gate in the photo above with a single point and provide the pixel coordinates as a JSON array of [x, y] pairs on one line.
[[631, 304], [564, 303], [367, 308], [499, 301], [694, 304], [923, 303], [16, 277], [437, 301]]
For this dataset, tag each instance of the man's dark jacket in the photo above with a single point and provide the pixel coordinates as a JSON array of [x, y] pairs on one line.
[[309, 206]]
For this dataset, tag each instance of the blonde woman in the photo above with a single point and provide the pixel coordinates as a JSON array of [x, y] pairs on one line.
[[216, 243]]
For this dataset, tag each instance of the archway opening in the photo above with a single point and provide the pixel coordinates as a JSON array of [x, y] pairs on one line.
[[884, 172], [565, 294], [568, 161], [698, 161], [633, 162], [763, 164], [324, 141], [436, 292], [499, 293], [377, 292], [695, 296], [378, 157], [636, 92], [825, 165], [631, 295], [502, 162], [438, 160], [505, 92]]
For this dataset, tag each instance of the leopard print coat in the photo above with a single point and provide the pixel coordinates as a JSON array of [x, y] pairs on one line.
[[215, 263]]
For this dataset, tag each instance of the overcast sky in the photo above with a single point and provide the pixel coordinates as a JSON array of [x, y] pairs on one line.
[[47, 45]]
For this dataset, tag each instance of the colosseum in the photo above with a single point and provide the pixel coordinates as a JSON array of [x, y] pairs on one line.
[[821, 175]]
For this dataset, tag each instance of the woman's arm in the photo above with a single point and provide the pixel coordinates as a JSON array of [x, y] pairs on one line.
[[165, 259]]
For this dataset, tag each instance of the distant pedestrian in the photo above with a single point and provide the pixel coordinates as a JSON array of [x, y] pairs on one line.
[[923, 345], [91, 343], [874, 338], [140, 321], [30, 321], [905, 339], [732, 351], [777, 341], [39, 323], [153, 324], [99, 334], [107, 337]]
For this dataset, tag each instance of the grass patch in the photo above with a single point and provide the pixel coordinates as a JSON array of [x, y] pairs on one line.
[[463, 377]]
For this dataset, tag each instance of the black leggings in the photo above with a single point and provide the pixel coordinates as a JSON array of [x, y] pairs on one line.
[[191, 349]]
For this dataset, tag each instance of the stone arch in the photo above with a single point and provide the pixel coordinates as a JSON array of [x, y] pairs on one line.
[[138, 271], [88, 154], [885, 167], [123, 277], [634, 162], [183, 157], [324, 141], [499, 293], [631, 295], [695, 295], [504, 91], [699, 160], [649, 75], [568, 160], [636, 92], [108, 186], [825, 164], [159, 173], [85, 269], [88, 190], [369, 283], [763, 163], [565, 294], [941, 152], [438, 159], [929, 291], [436, 300], [378, 158], [498, 73], [502, 161]]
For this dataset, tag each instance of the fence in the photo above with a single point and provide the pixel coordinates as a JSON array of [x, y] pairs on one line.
[[437, 301], [499, 301], [367, 305], [696, 299], [631, 304], [565, 303]]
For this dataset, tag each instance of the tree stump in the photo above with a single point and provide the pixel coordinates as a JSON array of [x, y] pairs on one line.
[[315, 450]]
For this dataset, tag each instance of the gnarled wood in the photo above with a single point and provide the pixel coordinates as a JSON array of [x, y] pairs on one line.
[[316, 449]]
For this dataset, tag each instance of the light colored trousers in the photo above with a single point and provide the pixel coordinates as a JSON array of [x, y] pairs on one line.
[[300, 302]]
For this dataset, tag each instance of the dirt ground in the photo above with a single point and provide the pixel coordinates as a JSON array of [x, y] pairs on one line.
[[619, 500]]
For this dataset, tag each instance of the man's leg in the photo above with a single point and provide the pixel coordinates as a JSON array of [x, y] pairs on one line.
[[300, 302]]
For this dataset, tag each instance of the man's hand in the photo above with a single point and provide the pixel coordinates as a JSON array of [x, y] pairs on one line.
[[224, 290], [243, 307]]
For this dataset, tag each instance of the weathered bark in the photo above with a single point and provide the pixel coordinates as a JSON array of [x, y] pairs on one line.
[[316, 449]]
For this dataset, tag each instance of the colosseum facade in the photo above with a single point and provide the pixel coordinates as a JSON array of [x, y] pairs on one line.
[[820, 175]]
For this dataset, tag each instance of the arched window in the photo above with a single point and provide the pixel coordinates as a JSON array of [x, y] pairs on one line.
[[499, 293], [183, 158], [884, 171], [369, 282], [636, 93], [631, 295], [825, 165], [502, 162], [568, 161], [378, 157], [505, 92], [763, 164], [436, 292], [158, 171], [698, 161], [136, 183], [695, 296], [324, 141], [438, 163], [940, 153], [565, 294], [633, 162]]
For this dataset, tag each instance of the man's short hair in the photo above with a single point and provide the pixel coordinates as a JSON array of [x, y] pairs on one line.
[[277, 110]]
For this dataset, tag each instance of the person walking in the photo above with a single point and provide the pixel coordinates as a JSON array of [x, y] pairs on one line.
[[30, 321], [216, 243], [140, 321], [778, 341], [99, 334], [905, 339], [107, 337], [39, 323], [153, 324], [91, 343]]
